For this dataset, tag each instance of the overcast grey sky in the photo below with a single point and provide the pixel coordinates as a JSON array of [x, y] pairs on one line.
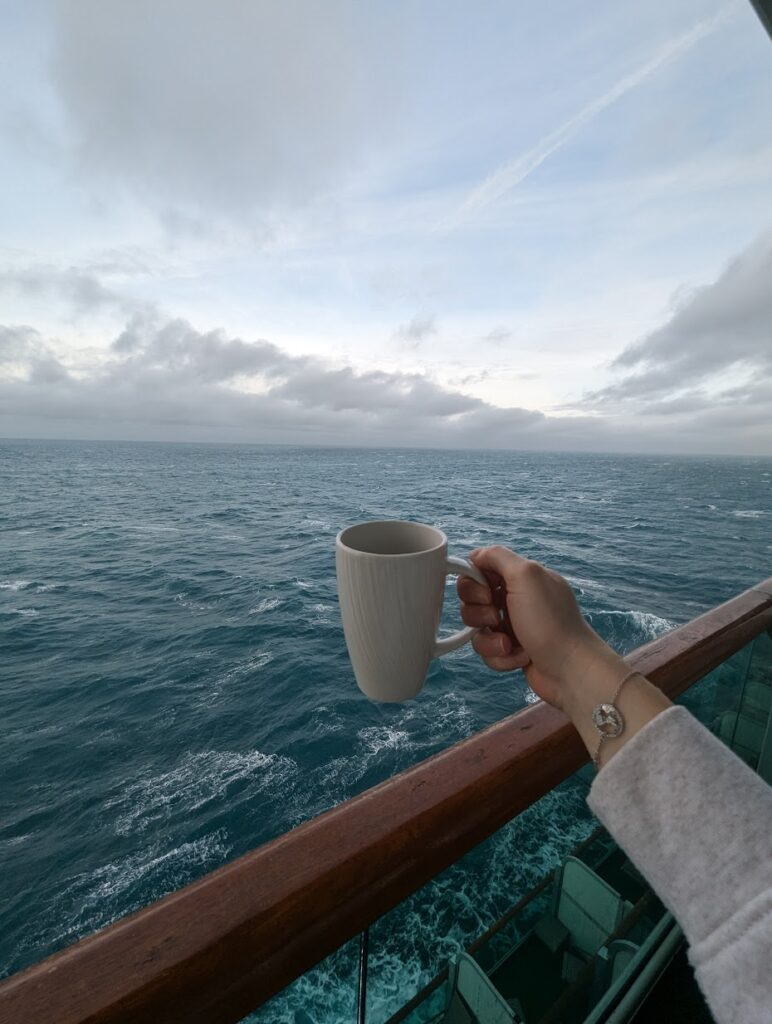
[[466, 224]]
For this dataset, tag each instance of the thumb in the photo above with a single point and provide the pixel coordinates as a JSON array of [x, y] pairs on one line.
[[497, 559]]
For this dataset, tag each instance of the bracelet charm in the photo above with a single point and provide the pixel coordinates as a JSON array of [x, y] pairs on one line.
[[608, 720]]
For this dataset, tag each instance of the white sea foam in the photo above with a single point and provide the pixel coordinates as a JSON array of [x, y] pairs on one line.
[[647, 624], [216, 691], [116, 877], [333, 779], [651, 624], [194, 782], [94, 899], [384, 737], [462, 653], [322, 525], [257, 660], [750, 513], [15, 585], [449, 718], [27, 613], [420, 725], [150, 528], [303, 584], [321, 616], [267, 604], [325, 720], [585, 585], [194, 606], [12, 841]]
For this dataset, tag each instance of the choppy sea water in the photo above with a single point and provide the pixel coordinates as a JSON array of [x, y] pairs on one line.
[[175, 687]]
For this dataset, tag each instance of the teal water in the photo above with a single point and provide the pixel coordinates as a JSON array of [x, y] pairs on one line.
[[175, 687]]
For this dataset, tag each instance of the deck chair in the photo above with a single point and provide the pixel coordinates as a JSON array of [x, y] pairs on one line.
[[585, 911], [621, 952], [587, 906], [474, 999]]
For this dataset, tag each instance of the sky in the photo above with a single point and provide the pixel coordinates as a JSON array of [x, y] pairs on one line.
[[464, 224]]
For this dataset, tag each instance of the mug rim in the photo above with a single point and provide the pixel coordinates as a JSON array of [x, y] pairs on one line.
[[339, 541]]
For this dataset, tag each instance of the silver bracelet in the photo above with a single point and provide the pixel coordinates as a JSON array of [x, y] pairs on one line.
[[608, 720]]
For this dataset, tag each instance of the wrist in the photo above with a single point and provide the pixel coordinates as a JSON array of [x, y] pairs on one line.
[[593, 677], [590, 676]]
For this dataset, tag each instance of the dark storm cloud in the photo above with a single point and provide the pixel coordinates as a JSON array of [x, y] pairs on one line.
[[726, 325], [204, 108]]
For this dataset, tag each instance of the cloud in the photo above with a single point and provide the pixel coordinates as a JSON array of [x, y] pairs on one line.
[[83, 291], [498, 335], [163, 373], [25, 354], [416, 330], [720, 328], [224, 108], [517, 170], [154, 344], [18, 343], [375, 393], [162, 379]]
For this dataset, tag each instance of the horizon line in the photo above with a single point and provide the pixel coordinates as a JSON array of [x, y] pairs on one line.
[[641, 453]]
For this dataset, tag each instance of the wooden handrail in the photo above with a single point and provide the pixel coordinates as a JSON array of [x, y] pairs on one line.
[[215, 950]]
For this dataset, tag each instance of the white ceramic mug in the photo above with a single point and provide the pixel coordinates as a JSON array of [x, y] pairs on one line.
[[391, 584]]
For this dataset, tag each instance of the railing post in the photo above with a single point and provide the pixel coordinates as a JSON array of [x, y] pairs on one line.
[[364, 941]]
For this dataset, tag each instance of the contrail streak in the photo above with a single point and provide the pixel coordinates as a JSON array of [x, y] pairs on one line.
[[512, 173]]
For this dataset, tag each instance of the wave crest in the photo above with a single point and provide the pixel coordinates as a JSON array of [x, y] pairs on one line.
[[197, 780], [628, 629]]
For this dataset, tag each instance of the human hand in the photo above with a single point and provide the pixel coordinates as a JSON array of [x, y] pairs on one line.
[[530, 620]]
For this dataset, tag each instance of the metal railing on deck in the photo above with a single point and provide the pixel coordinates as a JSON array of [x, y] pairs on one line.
[[223, 945]]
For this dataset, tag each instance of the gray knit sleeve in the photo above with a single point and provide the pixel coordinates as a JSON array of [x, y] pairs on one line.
[[697, 823]]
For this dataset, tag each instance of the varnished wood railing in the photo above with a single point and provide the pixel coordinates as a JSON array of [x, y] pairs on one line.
[[221, 946]]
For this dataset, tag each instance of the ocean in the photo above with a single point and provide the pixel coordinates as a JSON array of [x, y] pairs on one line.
[[175, 687]]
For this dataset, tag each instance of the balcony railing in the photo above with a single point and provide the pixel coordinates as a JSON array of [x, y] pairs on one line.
[[223, 945]]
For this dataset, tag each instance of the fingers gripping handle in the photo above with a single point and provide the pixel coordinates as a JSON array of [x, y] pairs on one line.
[[455, 640]]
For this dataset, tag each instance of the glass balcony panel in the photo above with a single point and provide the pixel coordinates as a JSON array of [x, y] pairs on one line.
[[327, 994]]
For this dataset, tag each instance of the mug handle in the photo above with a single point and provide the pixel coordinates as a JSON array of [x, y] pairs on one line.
[[455, 640]]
